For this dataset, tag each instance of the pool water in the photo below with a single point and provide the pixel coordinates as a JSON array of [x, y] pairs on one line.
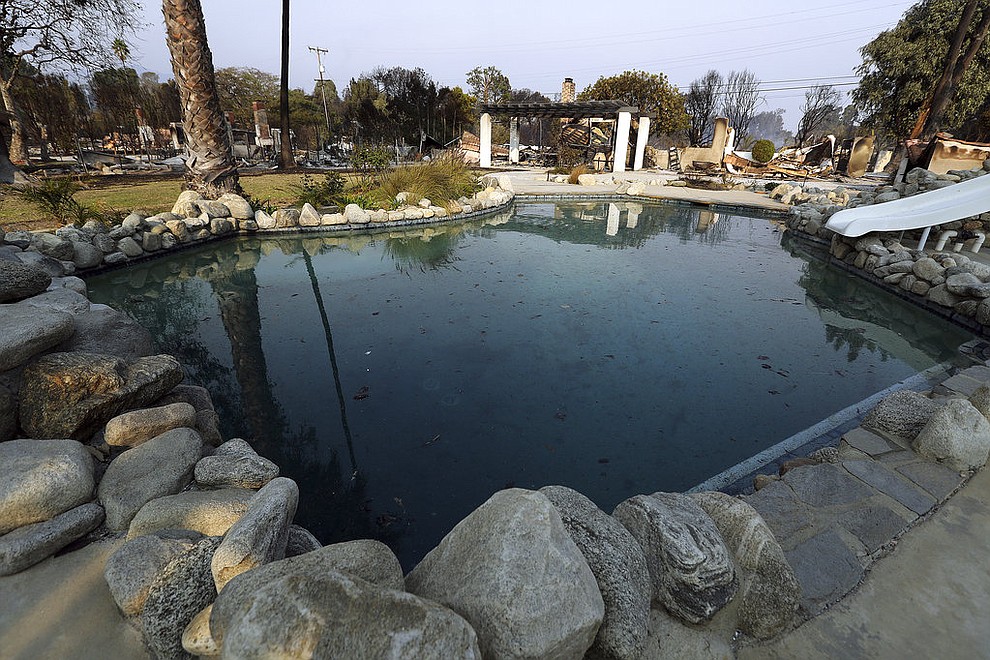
[[401, 378]]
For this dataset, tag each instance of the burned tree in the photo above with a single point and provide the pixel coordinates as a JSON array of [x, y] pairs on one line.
[[820, 103], [701, 103], [742, 95]]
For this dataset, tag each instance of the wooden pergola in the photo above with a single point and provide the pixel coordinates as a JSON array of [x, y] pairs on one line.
[[617, 111]]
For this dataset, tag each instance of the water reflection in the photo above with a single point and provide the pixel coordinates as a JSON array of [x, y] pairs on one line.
[[401, 377]]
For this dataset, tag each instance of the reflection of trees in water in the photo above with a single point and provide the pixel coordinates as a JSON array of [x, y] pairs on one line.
[[433, 251], [855, 340], [166, 299], [832, 289]]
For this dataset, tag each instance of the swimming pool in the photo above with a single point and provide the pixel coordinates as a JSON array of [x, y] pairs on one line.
[[617, 348]]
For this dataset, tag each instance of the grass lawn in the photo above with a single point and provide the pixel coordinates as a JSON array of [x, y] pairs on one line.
[[146, 194]]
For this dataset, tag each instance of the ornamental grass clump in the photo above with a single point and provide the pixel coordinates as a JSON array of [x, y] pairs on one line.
[[577, 172], [439, 180]]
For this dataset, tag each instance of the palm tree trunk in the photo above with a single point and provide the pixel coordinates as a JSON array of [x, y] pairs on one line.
[[286, 161], [210, 168], [18, 133]]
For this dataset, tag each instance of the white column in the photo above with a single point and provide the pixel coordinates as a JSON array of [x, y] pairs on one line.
[[612, 223], [486, 140], [514, 140], [621, 142], [633, 218], [641, 137]]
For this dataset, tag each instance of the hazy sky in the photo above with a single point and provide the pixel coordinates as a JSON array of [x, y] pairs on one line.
[[537, 44]]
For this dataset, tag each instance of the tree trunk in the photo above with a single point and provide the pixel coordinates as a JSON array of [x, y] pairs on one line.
[[210, 168], [18, 152], [939, 98], [940, 103], [286, 161]]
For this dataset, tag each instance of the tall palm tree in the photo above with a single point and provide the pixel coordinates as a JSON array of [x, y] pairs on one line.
[[210, 168]]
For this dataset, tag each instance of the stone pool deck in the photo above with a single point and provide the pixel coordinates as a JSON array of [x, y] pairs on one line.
[[526, 183]]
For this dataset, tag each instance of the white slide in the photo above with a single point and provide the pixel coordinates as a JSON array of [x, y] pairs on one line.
[[935, 207]]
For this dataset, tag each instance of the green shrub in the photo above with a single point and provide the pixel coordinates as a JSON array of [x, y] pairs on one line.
[[438, 180], [763, 151], [319, 193], [54, 197]]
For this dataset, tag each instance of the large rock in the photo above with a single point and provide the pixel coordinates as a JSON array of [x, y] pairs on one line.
[[210, 512], [901, 414], [513, 572], [19, 280], [162, 466], [26, 546], [309, 216], [260, 535], [328, 614], [958, 435], [180, 591], [104, 330], [8, 415], [238, 206], [138, 426], [86, 255], [301, 541], [39, 479], [587, 180], [60, 299], [72, 395], [27, 331], [769, 592], [132, 570], [619, 566], [356, 215], [245, 471], [691, 568], [371, 561]]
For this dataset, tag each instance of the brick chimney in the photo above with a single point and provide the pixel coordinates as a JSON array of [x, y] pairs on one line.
[[261, 127], [568, 92]]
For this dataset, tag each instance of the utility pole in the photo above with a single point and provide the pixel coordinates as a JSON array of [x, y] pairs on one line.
[[320, 52]]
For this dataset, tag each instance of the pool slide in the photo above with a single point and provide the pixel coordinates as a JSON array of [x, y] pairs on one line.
[[924, 211]]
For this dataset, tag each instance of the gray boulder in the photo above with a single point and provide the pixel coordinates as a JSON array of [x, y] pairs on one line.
[[356, 215], [371, 561], [19, 280], [958, 435], [131, 570], [195, 396], [238, 206], [769, 592], [619, 566], [27, 331], [8, 415], [180, 591], [328, 614], [60, 299], [104, 330], [53, 267], [901, 414], [309, 216], [301, 541], [72, 395], [39, 479], [28, 545], [129, 247], [691, 568], [245, 471], [235, 447], [210, 512], [161, 466], [138, 426], [260, 535], [85, 255], [511, 569]]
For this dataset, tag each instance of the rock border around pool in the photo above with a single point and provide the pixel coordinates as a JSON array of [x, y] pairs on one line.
[[195, 220]]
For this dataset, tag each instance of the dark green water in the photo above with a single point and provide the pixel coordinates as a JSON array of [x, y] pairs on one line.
[[403, 378]]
